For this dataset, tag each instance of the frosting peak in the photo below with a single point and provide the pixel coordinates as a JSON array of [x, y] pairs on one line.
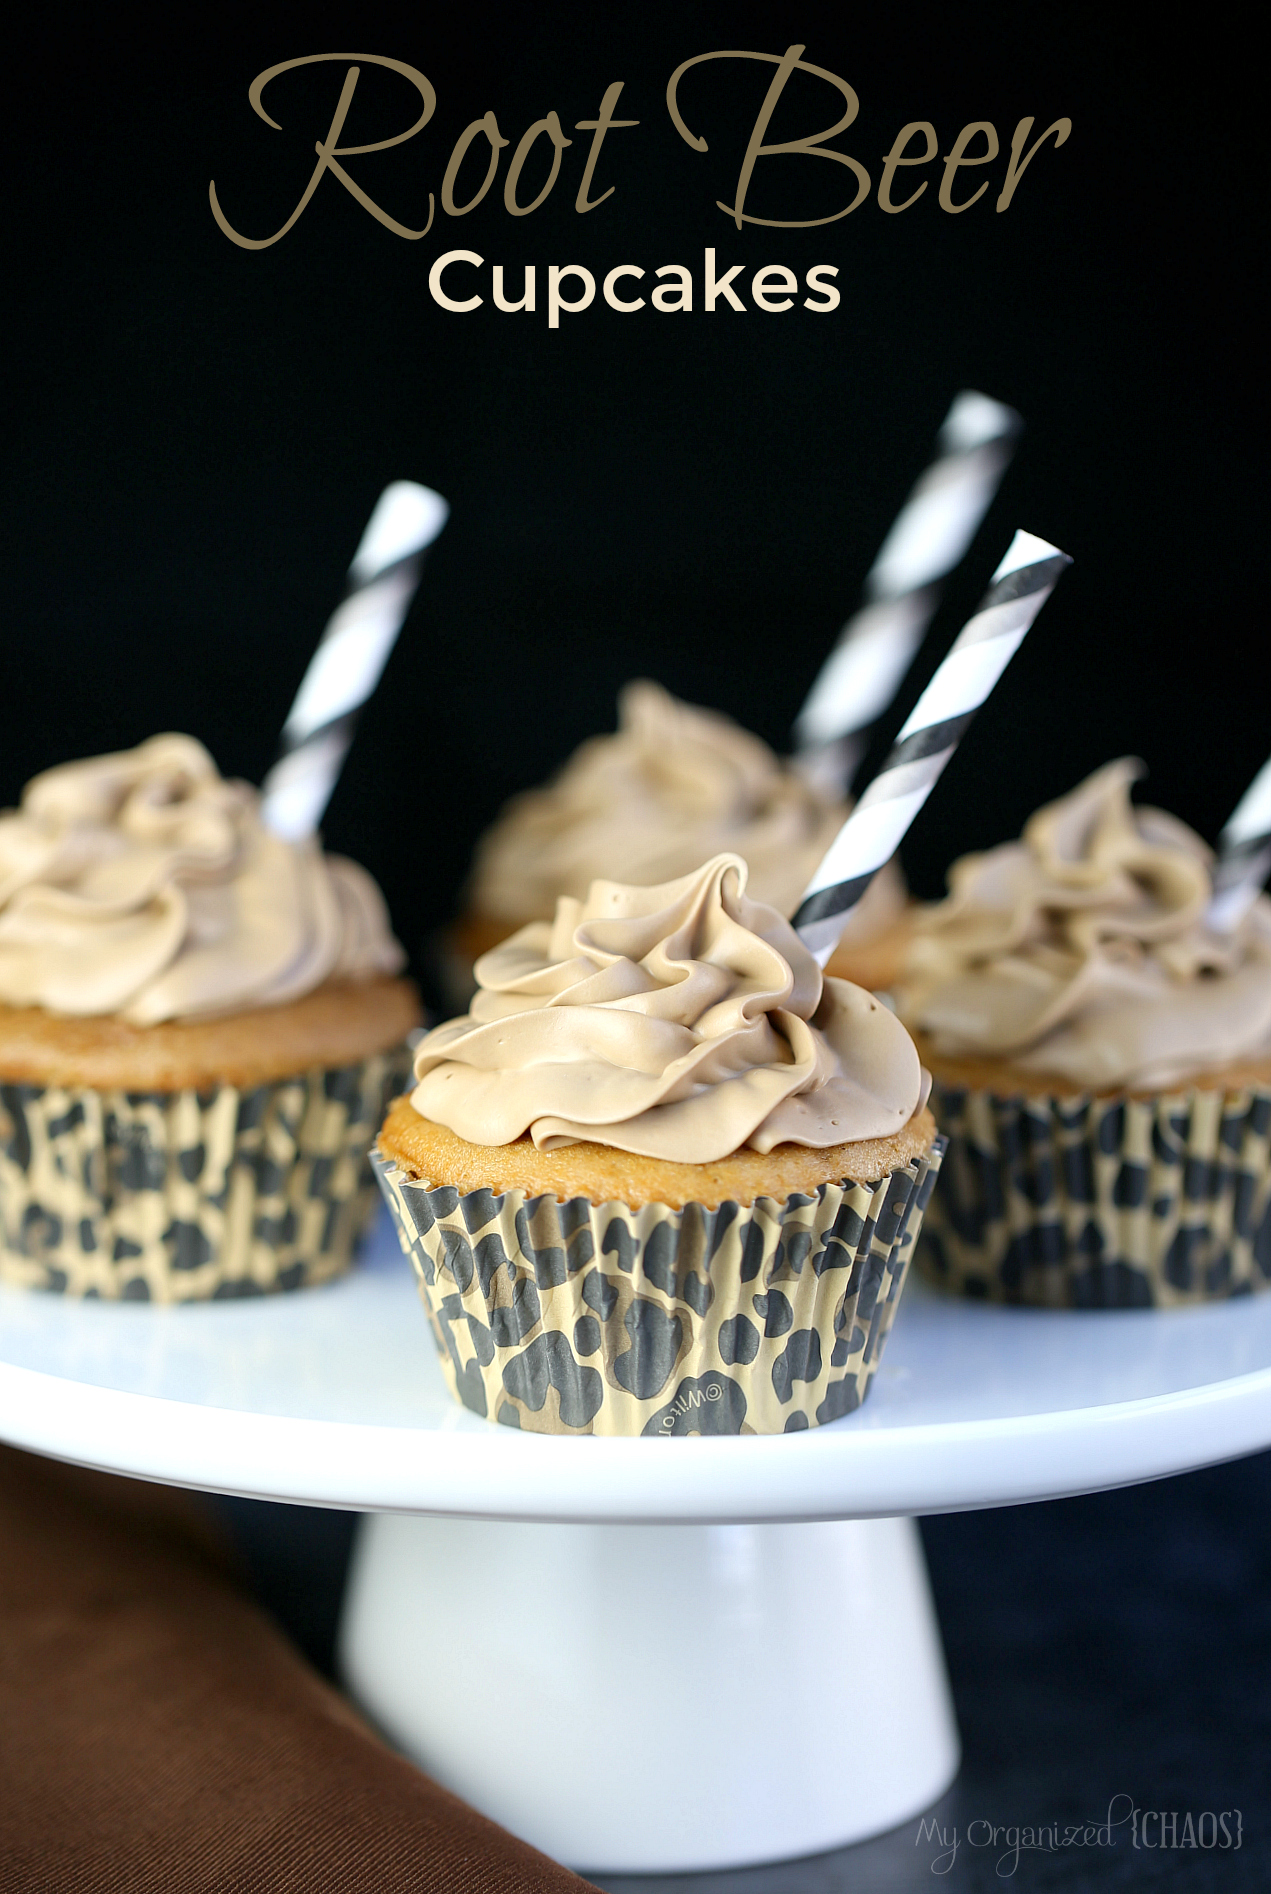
[[680, 1021], [142, 883], [1082, 951], [671, 787]]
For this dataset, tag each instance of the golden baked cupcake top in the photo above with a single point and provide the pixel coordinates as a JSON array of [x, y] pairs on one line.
[[424, 1150], [144, 886], [1083, 953], [682, 1022]]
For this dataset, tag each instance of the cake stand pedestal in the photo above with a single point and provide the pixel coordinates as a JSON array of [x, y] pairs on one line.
[[640, 1655], [659, 1697]]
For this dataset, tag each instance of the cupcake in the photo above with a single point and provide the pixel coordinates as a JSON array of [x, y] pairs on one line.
[[664, 1177], [1102, 1064], [671, 787], [200, 1024]]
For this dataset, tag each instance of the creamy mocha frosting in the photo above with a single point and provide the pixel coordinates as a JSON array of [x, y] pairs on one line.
[[1082, 951], [143, 884], [681, 1021], [673, 786]]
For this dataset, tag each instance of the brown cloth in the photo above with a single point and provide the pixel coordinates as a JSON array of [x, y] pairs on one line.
[[159, 1735]]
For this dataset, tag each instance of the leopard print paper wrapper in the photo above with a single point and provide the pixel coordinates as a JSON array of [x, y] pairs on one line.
[[1101, 1203], [191, 1195], [573, 1318]]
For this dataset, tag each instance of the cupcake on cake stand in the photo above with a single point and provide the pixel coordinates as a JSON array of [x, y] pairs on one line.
[[650, 1654]]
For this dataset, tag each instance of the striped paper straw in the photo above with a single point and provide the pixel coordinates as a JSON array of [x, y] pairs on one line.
[[930, 535], [1244, 856], [351, 654], [976, 659]]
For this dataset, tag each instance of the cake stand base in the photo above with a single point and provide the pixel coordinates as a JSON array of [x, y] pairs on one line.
[[655, 1698]]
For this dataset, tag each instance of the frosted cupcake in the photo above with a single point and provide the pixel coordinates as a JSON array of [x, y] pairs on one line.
[[1102, 1064], [199, 1026], [673, 786], [664, 1177]]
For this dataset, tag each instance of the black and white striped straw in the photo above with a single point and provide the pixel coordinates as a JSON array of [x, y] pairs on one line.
[[929, 537], [350, 657], [1244, 856], [961, 683]]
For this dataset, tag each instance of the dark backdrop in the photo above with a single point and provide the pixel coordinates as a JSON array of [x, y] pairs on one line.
[[195, 433]]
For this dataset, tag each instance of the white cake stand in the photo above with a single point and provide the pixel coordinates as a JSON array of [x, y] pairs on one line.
[[640, 1655]]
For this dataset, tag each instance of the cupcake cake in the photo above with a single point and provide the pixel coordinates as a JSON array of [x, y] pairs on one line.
[[664, 1176], [200, 1024], [673, 786], [1101, 1058]]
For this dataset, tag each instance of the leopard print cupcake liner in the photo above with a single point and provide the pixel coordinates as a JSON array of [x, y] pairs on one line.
[[1102, 1203], [573, 1318], [190, 1195]]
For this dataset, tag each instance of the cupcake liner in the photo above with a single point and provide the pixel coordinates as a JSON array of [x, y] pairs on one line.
[[1102, 1203], [182, 1196], [575, 1318]]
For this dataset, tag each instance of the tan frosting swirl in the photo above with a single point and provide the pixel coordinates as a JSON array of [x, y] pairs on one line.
[[1081, 950], [143, 884], [681, 1021], [671, 787]]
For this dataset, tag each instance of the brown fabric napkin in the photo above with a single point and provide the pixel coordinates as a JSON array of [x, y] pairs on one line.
[[159, 1735]]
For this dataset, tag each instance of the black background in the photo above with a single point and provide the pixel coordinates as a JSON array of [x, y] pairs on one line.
[[195, 433]]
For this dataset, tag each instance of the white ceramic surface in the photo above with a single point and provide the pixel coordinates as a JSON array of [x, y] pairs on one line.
[[333, 1396], [658, 1698]]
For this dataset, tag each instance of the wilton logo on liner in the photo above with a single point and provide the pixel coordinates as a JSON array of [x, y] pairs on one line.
[[685, 1403], [914, 147]]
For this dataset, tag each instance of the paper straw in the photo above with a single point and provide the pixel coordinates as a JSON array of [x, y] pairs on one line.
[[351, 654], [1244, 856], [930, 535], [961, 683]]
